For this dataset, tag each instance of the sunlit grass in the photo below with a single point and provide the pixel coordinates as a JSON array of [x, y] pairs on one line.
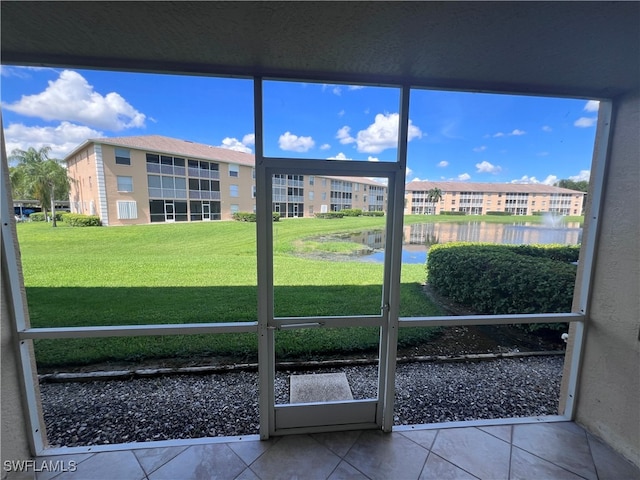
[[206, 272]]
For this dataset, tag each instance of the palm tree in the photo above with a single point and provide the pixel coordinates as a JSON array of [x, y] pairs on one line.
[[40, 177], [434, 195]]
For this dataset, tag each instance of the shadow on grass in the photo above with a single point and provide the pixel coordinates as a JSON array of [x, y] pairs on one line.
[[78, 306]]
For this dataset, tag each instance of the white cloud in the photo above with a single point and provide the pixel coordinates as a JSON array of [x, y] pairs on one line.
[[486, 167], [543, 154], [383, 134], [234, 144], [516, 132], [373, 159], [550, 180], [584, 175], [464, 176], [249, 139], [293, 143], [71, 98], [585, 122], [355, 87], [337, 90], [592, 106], [443, 164], [62, 138], [344, 136], [340, 156], [325, 146], [546, 128], [341, 113], [482, 148]]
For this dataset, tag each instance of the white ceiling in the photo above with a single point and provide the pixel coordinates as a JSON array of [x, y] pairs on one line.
[[588, 49]]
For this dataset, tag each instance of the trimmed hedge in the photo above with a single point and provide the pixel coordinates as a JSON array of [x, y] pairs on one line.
[[329, 215], [79, 220], [352, 212], [251, 217], [500, 214], [444, 212], [37, 217], [374, 213], [505, 279]]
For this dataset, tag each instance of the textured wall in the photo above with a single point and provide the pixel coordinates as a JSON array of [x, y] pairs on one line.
[[609, 389]]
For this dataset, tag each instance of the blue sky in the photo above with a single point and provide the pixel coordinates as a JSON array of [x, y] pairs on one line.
[[453, 135]]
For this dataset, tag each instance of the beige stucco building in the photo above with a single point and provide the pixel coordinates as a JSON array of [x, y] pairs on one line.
[[481, 198], [148, 179]]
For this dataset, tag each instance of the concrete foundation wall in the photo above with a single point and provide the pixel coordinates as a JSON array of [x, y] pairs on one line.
[[609, 388]]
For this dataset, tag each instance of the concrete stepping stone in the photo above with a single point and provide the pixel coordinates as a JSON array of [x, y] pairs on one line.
[[321, 387]]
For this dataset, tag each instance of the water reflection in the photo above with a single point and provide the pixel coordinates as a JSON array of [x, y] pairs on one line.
[[420, 236]]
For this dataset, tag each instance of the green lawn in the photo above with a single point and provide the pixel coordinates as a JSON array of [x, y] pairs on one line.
[[204, 272]]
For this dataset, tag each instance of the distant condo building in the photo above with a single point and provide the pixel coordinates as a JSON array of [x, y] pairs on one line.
[[148, 179], [482, 198]]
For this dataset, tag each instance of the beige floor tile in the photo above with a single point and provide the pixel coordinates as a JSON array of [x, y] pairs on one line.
[[556, 444], [153, 458], [338, 442], [525, 466], [610, 465], [438, 468], [387, 455], [296, 456], [247, 474], [250, 451], [200, 462], [503, 432], [424, 438], [474, 451], [344, 471], [107, 466]]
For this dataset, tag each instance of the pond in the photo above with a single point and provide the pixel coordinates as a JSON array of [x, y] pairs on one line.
[[420, 236]]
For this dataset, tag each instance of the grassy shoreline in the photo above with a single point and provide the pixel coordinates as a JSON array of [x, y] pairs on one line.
[[203, 272]]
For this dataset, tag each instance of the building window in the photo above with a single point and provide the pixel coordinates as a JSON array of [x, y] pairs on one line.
[[123, 156], [253, 173], [125, 184], [234, 170], [310, 195], [233, 191], [127, 210], [253, 191], [235, 208], [312, 180], [90, 185], [324, 195]]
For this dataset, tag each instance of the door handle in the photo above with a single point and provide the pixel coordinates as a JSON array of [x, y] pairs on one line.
[[301, 325]]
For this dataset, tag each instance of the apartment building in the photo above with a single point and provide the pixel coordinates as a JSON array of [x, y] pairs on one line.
[[480, 198], [149, 179]]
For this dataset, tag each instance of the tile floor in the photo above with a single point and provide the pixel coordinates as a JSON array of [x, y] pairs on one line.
[[528, 451]]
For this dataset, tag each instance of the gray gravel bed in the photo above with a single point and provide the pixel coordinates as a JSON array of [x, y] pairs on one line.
[[195, 406]]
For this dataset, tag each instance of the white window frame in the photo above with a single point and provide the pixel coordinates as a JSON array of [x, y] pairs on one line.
[[122, 153], [127, 209], [234, 170], [234, 191], [119, 184]]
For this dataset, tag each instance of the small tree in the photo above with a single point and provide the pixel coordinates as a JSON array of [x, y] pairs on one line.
[[39, 177]]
